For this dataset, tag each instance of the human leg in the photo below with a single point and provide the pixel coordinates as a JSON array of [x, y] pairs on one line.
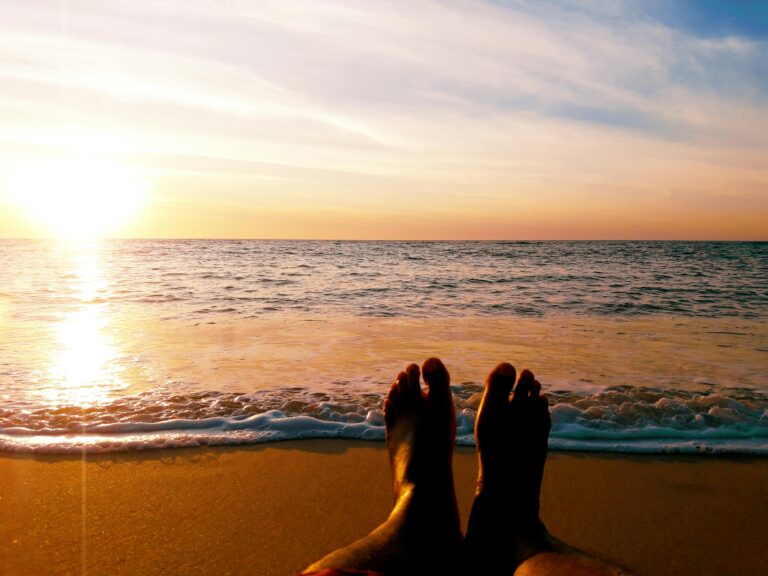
[[505, 534], [423, 527]]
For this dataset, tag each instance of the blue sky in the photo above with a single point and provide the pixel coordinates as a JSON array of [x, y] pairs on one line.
[[714, 18]]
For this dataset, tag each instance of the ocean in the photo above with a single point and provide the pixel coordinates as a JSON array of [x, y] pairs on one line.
[[124, 345]]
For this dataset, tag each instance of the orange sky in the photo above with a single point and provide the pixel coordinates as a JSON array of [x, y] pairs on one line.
[[371, 120]]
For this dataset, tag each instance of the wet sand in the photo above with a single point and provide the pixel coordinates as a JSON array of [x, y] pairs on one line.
[[272, 509]]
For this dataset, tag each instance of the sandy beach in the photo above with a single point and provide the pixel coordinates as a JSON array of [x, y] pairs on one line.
[[272, 509]]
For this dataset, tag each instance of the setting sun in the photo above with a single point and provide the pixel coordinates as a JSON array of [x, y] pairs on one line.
[[77, 196]]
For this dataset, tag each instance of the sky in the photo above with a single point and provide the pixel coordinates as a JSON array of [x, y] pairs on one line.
[[374, 119]]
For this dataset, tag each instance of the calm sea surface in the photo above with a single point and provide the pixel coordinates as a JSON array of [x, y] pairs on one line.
[[120, 345]]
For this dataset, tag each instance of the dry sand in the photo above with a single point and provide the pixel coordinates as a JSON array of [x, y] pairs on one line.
[[272, 509]]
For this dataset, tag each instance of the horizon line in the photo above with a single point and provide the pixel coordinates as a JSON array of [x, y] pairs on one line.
[[257, 239]]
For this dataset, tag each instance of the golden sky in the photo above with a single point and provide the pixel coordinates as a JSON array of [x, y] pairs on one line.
[[379, 120]]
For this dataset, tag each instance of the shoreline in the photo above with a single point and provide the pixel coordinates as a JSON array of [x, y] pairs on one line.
[[645, 384], [274, 508], [756, 449]]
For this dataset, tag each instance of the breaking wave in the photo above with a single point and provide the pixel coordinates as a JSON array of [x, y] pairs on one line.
[[617, 419]]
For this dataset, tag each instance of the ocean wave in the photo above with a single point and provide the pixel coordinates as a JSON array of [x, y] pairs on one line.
[[619, 419]]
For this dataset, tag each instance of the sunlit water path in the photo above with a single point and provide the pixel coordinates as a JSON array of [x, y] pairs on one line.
[[139, 344]]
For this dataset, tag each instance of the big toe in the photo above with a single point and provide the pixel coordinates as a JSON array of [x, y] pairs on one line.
[[437, 378], [495, 400], [499, 383]]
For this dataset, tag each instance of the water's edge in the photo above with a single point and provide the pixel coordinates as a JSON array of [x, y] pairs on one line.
[[620, 419]]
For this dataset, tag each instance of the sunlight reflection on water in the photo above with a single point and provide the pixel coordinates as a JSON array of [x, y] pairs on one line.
[[82, 369]]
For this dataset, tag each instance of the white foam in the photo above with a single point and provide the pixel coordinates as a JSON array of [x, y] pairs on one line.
[[275, 426], [614, 420]]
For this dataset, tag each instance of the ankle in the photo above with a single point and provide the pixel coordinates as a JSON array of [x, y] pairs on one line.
[[506, 504]]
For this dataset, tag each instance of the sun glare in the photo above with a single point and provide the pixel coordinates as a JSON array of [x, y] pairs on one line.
[[78, 197], [84, 365]]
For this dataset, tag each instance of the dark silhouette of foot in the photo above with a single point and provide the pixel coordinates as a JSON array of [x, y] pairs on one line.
[[424, 522], [421, 429], [511, 435], [511, 431]]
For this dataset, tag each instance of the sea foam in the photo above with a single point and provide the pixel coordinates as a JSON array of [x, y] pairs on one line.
[[620, 419]]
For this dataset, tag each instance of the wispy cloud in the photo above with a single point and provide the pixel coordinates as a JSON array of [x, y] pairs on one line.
[[372, 103]]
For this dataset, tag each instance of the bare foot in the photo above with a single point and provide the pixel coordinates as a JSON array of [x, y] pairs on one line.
[[505, 535], [511, 435], [421, 430], [511, 432], [422, 534]]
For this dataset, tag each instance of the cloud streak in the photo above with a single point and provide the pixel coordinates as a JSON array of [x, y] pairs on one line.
[[521, 108]]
